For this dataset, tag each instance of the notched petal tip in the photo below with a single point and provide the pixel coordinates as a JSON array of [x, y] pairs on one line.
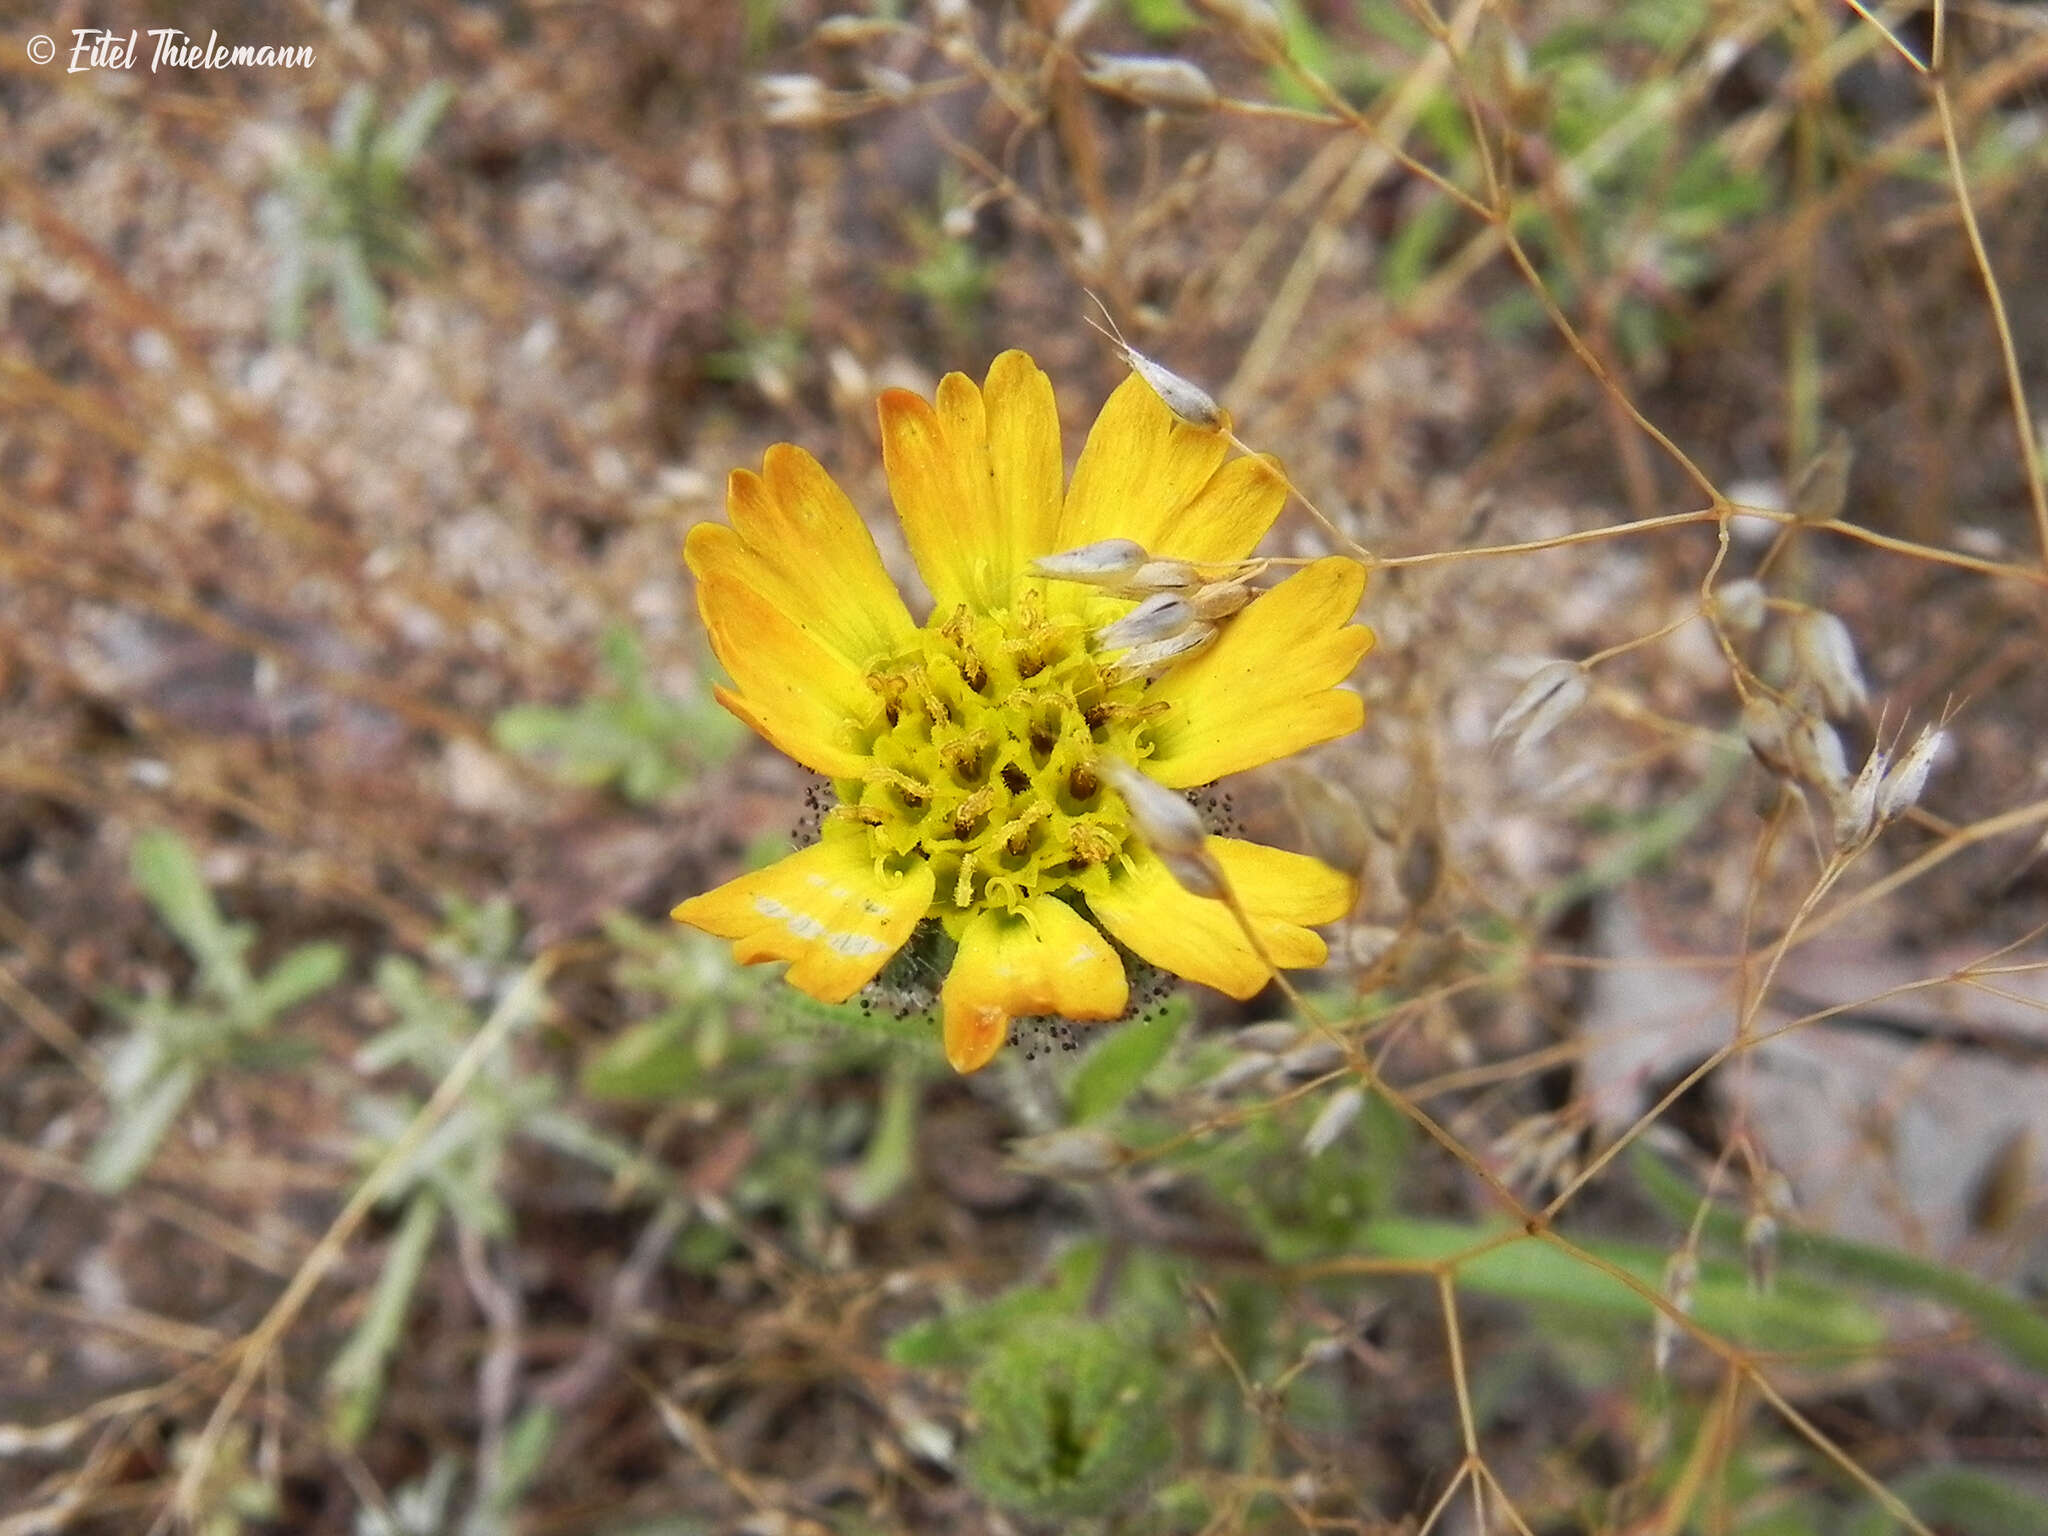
[[974, 1032]]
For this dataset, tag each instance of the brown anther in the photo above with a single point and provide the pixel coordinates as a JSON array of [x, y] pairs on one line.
[[1100, 714], [890, 686], [1015, 779], [1083, 782], [1018, 828], [972, 809], [916, 792], [963, 753], [928, 696], [1090, 844], [973, 673], [959, 628]]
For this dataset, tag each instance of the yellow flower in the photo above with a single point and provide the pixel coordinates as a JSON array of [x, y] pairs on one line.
[[965, 754]]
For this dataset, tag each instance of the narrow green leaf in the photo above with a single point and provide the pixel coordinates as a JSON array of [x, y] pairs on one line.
[[306, 971], [168, 875], [652, 1060], [355, 1380], [402, 139], [137, 1128], [1121, 1060], [886, 1165], [1791, 1316]]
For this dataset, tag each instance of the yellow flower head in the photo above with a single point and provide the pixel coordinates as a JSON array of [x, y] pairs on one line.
[[971, 758]]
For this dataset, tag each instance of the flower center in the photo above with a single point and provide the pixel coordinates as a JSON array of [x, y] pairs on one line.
[[982, 757]]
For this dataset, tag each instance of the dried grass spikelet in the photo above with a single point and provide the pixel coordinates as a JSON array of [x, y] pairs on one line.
[[1268, 1039], [1105, 563], [1077, 18], [1681, 1279], [1902, 786], [1334, 1121], [1254, 22], [1740, 606], [1817, 755], [1760, 1250], [1172, 85], [1825, 654], [1821, 488], [1855, 807], [1188, 401], [853, 31], [1767, 727], [793, 101], [1884, 789], [1551, 696], [1074, 1152], [1155, 656], [1159, 617], [1170, 826]]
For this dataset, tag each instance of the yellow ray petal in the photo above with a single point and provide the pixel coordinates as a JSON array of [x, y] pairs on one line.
[[1267, 687], [827, 909], [1140, 467], [1024, 457], [1150, 912], [803, 545], [1290, 887], [1228, 515], [932, 457], [1043, 958], [798, 692]]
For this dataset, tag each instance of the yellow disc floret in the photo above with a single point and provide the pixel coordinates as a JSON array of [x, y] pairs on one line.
[[982, 757]]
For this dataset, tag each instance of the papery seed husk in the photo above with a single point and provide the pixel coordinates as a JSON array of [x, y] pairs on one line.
[[1818, 756], [1760, 1250], [1076, 19], [1821, 488], [1254, 19], [1157, 655], [792, 100], [1164, 819], [847, 31], [1172, 84], [1190, 402], [1741, 605], [1856, 806], [1767, 727], [1197, 873], [1271, 1037], [1222, 599], [1313, 1059], [1162, 576], [1826, 654], [1241, 1073], [1901, 789], [1077, 1152], [891, 84], [1159, 617], [1335, 1119], [1421, 867], [1552, 696], [1106, 562]]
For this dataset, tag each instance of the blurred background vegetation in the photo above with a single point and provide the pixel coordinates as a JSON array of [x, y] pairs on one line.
[[1663, 1148]]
